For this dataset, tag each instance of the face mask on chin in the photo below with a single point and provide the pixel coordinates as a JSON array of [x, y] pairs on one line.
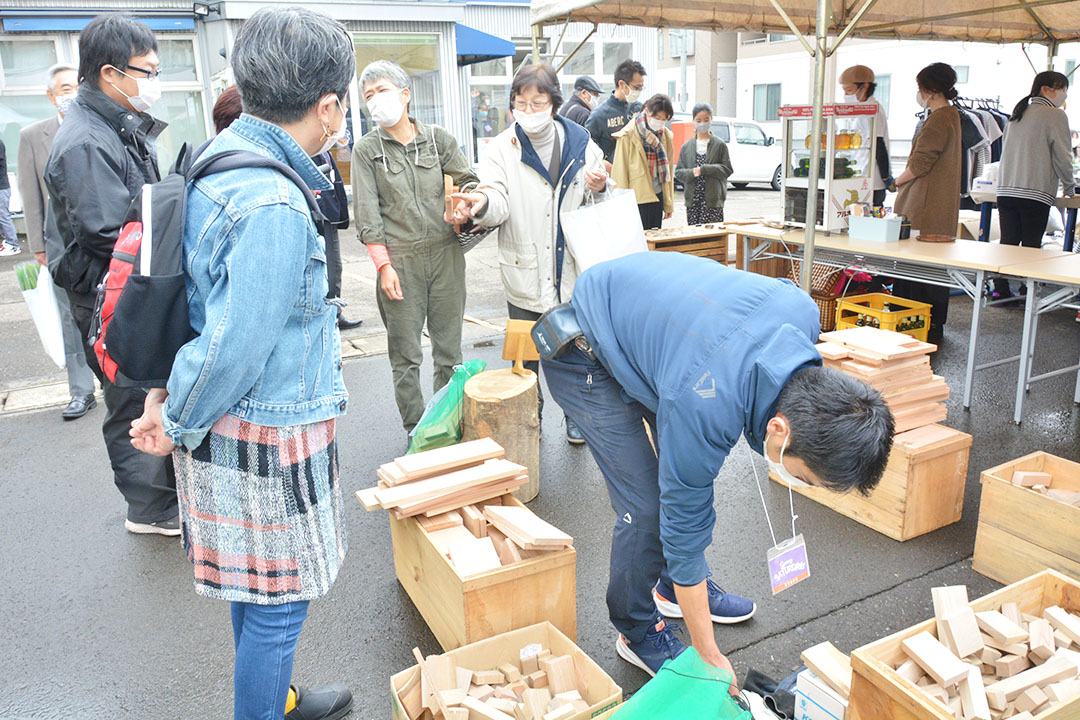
[[780, 471]]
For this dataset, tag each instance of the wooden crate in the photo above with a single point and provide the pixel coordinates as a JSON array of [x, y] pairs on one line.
[[776, 267], [601, 692], [878, 693], [710, 241], [922, 488], [461, 610], [1021, 531]]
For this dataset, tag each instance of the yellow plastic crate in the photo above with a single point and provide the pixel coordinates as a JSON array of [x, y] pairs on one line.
[[904, 316]]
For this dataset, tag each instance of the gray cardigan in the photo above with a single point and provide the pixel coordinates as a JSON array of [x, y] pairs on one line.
[[716, 170], [1037, 154]]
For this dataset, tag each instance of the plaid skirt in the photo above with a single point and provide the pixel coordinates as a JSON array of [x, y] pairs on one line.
[[260, 509]]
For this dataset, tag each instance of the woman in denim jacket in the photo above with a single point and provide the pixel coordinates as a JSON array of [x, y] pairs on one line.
[[251, 405]]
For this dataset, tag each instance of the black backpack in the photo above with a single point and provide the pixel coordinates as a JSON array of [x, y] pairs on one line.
[[141, 315]]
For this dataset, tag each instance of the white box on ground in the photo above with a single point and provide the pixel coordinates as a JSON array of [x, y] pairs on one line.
[[814, 700]]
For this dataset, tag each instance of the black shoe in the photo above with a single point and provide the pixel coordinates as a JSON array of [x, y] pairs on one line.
[[345, 324], [573, 434], [79, 406], [322, 702]]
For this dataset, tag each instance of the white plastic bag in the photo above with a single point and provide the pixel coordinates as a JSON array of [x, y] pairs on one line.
[[46, 315], [605, 230]]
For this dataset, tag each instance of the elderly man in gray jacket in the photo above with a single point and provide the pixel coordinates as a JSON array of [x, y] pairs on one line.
[[35, 142]]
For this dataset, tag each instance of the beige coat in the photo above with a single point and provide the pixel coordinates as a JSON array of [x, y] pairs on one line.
[[631, 167], [35, 141], [932, 200]]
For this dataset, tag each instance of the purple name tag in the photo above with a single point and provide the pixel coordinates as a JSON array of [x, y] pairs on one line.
[[788, 564]]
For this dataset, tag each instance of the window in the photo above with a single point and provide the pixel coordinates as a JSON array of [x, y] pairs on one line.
[[584, 60], [615, 53], [722, 131], [883, 91], [496, 67], [671, 89], [766, 103], [679, 39], [961, 74], [749, 134], [24, 63], [418, 54], [1070, 65], [660, 44], [182, 105], [776, 37]]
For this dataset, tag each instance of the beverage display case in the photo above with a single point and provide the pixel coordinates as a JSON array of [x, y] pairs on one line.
[[846, 167]]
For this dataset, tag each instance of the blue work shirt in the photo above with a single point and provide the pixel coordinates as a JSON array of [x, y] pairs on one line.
[[708, 349]]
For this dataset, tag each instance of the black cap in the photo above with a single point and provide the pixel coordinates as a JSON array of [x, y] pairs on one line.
[[586, 83]]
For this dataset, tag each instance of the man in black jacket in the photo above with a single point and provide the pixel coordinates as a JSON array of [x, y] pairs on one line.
[[102, 156], [585, 99], [619, 108]]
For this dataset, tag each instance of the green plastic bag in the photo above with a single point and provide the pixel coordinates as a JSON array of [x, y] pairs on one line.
[[440, 425], [686, 687]]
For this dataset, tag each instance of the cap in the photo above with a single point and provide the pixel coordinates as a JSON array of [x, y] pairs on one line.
[[857, 74], [586, 83]]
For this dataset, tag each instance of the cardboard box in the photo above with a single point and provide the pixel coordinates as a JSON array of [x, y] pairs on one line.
[[922, 488], [461, 610], [814, 700], [1021, 531], [878, 692], [601, 692]]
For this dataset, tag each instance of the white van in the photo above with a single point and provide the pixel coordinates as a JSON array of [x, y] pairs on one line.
[[755, 156]]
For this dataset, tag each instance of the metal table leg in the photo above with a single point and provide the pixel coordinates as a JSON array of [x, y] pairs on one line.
[[976, 317], [1030, 304]]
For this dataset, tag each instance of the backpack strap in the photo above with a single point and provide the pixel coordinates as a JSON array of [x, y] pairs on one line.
[[236, 159]]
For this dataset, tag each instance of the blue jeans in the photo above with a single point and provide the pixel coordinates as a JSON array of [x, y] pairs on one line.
[[265, 638], [7, 227], [614, 429]]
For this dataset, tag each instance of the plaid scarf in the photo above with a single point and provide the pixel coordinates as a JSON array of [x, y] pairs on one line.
[[659, 165]]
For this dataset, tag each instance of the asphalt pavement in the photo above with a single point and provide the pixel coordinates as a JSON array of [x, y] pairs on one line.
[[107, 624]]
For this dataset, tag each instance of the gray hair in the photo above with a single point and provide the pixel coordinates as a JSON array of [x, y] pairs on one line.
[[287, 59], [56, 70], [384, 70], [699, 107]]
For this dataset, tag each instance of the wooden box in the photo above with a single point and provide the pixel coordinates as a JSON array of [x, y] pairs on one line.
[[461, 610], [922, 488], [710, 241], [878, 692], [601, 692], [1021, 531]]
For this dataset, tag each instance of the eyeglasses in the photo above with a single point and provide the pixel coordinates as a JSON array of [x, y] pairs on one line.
[[150, 74], [534, 106]]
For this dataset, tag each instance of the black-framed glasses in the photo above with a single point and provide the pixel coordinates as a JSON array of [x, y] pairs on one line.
[[150, 74]]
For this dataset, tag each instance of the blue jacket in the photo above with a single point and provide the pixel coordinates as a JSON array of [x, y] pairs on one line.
[[708, 349], [268, 349]]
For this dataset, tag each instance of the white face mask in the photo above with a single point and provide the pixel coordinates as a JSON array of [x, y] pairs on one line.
[[594, 101], [632, 95], [1059, 98], [386, 108], [921, 99], [64, 103], [533, 123], [339, 137], [782, 472], [149, 91], [849, 98], [703, 128], [656, 124]]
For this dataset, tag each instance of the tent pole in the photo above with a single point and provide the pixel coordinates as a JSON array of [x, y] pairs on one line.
[[816, 126], [536, 44], [1051, 51]]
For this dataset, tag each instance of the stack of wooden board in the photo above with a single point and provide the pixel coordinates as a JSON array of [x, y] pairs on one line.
[[896, 365], [1042, 483], [994, 664], [437, 481]]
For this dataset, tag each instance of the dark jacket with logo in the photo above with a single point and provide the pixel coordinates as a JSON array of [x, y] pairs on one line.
[[102, 155], [577, 110], [611, 117]]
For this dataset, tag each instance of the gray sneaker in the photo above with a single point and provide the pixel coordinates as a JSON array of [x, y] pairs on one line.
[[170, 528]]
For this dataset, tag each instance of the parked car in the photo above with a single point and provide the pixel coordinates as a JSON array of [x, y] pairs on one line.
[[755, 156]]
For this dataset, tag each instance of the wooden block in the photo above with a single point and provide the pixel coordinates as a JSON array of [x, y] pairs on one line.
[[910, 671], [1011, 611], [464, 678], [561, 676], [528, 657], [503, 704], [995, 697], [1030, 700], [1000, 627], [439, 461], [568, 696], [936, 692], [500, 542], [960, 633], [482, 710], [1068, 497], [956, 705], [989, 656], [1013, 649], [973, 697], [581, 672], [1041, 639], [1061, 639], [453, 697], [935, 659], [522, 525], [1022, 716], [1063, 692], [488, 677], [510, 672], [475, 556], [436, 673], [440, 522], [561, 713], [481, 692], [535, 701], [1029, 478], [504, 691], [1055, 670], [538, 679], [948, 601], [1011, 665], [519, 687], [457, 713], [474, 520], [831, 665], [1064, 621]]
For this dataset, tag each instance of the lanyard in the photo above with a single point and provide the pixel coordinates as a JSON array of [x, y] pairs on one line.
[[786, 561], [761, 493]]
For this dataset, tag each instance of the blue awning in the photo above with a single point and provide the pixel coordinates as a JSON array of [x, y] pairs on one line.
[[474, 46], [76, 20]]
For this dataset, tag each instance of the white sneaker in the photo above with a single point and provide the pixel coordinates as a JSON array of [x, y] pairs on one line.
[[169, 528], [7, 249]]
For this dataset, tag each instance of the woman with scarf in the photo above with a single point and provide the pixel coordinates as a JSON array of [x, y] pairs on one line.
[[643, 161]]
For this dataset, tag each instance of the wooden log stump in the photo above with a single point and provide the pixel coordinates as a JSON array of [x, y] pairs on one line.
[[503, 406]]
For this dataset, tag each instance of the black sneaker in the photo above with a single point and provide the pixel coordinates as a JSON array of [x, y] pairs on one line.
[[660, 645], [573, 433], [169, 528], [322, 702]]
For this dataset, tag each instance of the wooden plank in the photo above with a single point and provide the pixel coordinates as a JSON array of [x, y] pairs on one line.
[[973, 697], [368, 500], [413, 492], [1000, 628], [961, 633], [1030, 478], [885, 372], [927, 416], [483, 711], [536, 701], [474, 556], [443, 539], [831, 665], [441, 521], [473, 496], [391, 474], [832, 351], [474, 520], [522, 523], [453, 697], [948, 600], [1050, 672], [1064, 621], [935, 659], [440, 460], [434, 681], [409, 694]]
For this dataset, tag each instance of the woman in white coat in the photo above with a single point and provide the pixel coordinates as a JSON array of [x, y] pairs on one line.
[[535, 170]]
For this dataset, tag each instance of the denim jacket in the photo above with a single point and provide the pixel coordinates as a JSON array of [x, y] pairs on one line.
[[268, 349]]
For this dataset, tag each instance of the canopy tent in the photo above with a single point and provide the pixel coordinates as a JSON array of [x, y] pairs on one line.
[[474, 46], [1050, 22]]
